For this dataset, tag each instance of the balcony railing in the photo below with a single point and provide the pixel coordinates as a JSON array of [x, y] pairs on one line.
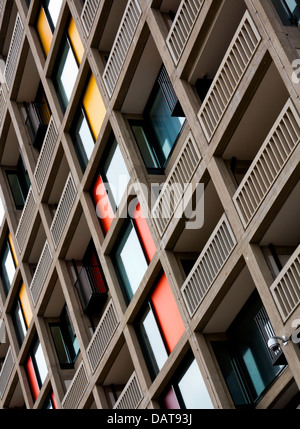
[[121, 45], [268, 163], [63, 210], [76, 389], [2, 106], [182, 27], [1, 7], [88, 14], [286, 288], [46, 153], [41, 272], [178, 179], [102, 336], [26, 220], [13, 52], [131, 395], [6, 371], [36, 124], [91, 288], [208, 265], [234, 65]]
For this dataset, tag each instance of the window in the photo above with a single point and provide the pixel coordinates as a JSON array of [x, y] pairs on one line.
[[131, 262], [87, 122], [67, 64], [50, 403], [245, 360], [21, 314], [36, 368], [187, 390], [160, 326], [113, 177], [163, 120], [288, 10], [46, 22], [19, 184], [8, 263], [64, 338]]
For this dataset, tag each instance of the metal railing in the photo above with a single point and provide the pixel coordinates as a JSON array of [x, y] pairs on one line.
[[179, 177], [286, 287], [102, 336], [236, 61], [6, 371], [182, 27], [41, 272], [268, 163], [121, 45], [208, 265], [13, 52], [76, 389], [2, 106], [26, 220], [88, 14], [131, 395], [63, 210]]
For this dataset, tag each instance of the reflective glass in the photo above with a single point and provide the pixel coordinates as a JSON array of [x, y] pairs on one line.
[[116, 174], [40, 362], [83, 140], [131, 261], [193, 389], [9, 266], [54, 7], [19, 323]]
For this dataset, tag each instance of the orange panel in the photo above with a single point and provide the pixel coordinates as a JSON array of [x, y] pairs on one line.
[[75, 41], [12, 249], [103, 207], [167, 313], [144, 232], [44, 31], [25, 304], [94, 107]]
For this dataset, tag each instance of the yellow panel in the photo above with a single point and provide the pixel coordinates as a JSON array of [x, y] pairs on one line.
[[12, 248], [75, 41], [94, 107], [44, 30], [25, 304]]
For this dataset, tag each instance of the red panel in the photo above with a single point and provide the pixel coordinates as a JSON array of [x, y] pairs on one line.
[[54, 401], [96, 273], [170, 400], [32, 378], [144, 232], [167, 313], [103, 207]]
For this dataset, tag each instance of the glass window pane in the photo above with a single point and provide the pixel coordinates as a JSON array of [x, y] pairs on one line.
[[153, 341], [61, 349], [39, 358], [19, 323], [165, 126], [83, 140], [147, 151], [193, 389], [16, 190], [54, 7], [131, 261], [9, 265], [116, 174], [66, 74]]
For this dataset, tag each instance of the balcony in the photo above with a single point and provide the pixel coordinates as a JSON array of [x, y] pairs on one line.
[[88, 14], [102, 336], [76, 389], [229, 75], [131, 395], [182, 27], [26, 220], [41, 272], [46, 153], [91, 289], [121, 45], [37, 123], [268, 163], [178, 179], [6, 371], [286, 288], [63, 210], [208, 265], [2, 106], [13, 52]]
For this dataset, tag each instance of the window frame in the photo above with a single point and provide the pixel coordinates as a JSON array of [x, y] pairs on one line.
[[6, 247]]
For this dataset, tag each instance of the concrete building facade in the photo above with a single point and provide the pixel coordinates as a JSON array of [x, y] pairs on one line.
[[149, 241]]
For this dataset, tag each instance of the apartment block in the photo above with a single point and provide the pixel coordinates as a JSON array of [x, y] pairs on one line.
[[150, 204]]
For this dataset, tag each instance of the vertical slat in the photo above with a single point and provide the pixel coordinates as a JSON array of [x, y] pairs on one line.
[[41, 272], [131, 395], [6, 371], [76, 389], [13, 52], [26, 220]]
